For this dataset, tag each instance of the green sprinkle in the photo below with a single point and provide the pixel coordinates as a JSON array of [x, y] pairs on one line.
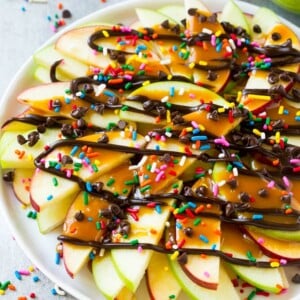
[[116, 194], [186, 55], [172, 297], [98, 225], [134, 242], [125, 191], [78, 165], [251, 295], [100, 48], [168, 104], [5, 285], [182, 209], [95, 168], [128, 85], [85, 198], [136, 179], [200, 175], [197, 221], [176, 161], [110, 182], [175, 185], [250, 256], [141, 72], [54, 181], [182, 45], [229, 167], [111, 125], [148, 167], [68, 91], [268, 121], [29, 215], [129, 182], [145, 188], [124, 108]]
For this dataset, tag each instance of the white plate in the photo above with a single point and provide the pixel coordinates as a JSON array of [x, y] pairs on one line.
[[39, 248]]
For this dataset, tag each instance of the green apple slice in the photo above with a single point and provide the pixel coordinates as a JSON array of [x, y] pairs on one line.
[[160, 278], [225, 289], [150, 18], [107, 278], [199, 5], [22, 156], [69, 68], [232, 9], [42, 75], [175, 12]]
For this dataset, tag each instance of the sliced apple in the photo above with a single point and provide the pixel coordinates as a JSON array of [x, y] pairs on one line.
[[42, 75], [268, 279], [173, 11], [21, 184], [160, 278]]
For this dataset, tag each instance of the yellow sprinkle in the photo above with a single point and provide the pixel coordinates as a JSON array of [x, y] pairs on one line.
[[239, 96], [168, 116], [280, 110], [97, 162], [166, 268], [192, 65], [259, 97], [298, 113], [256, 132], [146, 82], [2, 292], [170, 77], [175, 211], [221, 110], [219, 32], [31, 269], [202, 63], [30, 157], [174, 255], [116, 111], [275, 264], [105, 33], [189, 129], [24, 206], [277, 137], [201, 127]]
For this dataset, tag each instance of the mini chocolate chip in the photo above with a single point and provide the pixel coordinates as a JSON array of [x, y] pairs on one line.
[[201, 190], [67, 130], [212, 18], [106, 213], [182, 258], [103, 139], [211, 76], [121, 58], [8, 176], [262, 193], [185, 139], [99, 108], [116, 210], [176, 29], [165, 24], [88, 88], [98, 186], [285, 77], [232, 183], [148, 105], [79, 112], [276, 36], [41, 128], [286, 199], [21, 139], [177, 119], [296, 93], [66, 14], [162, 75], [50, 122], [214, 115], [166, 158], [296, 278], [56, 103], [244, 197], [124, 227], [273, 78], [81, 123], [188, 231], [229, 210], [202, 18], [192, 11], [66, 159], [161, 110], [33, 137], [79, 216], [122, 124], [112, 225], [188, 191], [257, 28], [114, 100]]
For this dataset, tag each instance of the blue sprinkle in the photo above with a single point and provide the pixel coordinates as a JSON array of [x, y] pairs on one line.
[[18, 275], [53, 291], [82, 95], [175, 48], [57, 258], [203, 238], [49, 18], [108, 93], [74, 150], [57, 109], [36, 279], [90, 219], [81, 155], [196, 131], [100, 77], [286, 112], [178, 225], [214, 247], [57, 166], [157, 147], [87, 160], [50, 197], [92, 255], [23, 8], [172, 91], [67, 100], [88, 186], [257, 217], [238, 164], [205, 147], [192, 204], [297, 118], [146, 176], [199, 138], [134, 135], [158, 209]]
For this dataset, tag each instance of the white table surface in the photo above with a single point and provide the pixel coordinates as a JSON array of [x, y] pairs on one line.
[[21, 33]]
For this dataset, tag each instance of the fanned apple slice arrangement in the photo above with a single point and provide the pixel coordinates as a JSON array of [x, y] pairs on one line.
[[167, 150]]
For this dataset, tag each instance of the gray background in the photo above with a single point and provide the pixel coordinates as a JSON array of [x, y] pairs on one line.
[[21, 33]]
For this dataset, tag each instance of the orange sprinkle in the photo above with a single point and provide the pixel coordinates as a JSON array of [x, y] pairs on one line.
[[275, 162], [153, 231], [203, 255], [204, 45], [168, 245], [208, 206], [218, 232], [89, 150], [288, 211], [21, 155], [11, 287], [146, 182], [84, 148], [92, 154], [115, 81], [199, 209], [60, 5]]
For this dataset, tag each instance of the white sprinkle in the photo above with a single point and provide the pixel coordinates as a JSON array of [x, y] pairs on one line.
[[232, 44], [102, 252], [153, 167], [133, 167], [105, 51], [263, 135], [182, 161], [228, 49], [99, 89], [206, 30], [168, 134], [222, 182], [181, 91], [166, 61], [142, 161], [147, 138], [164, 99], [235, 172]]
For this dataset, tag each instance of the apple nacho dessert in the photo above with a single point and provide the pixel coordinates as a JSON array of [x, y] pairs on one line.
[[168, 150]]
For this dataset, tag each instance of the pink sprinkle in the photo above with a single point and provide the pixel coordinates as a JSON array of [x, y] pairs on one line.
[[260, 240], [283, 261], [53, 28], [265, 127], [286, 181], [213, 40], [267, 60], [215, 190], [159, 176], [142, 66], [271, 184], [222, 141], [127, 76], [206, 274], [95, 52], [163, 138], [195, 124], [24, 272], [139, 249], [163, 167], [68, 173], [295, 161], [192, 96]]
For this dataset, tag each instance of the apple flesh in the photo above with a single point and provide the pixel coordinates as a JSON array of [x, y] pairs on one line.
[[160, 278]]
